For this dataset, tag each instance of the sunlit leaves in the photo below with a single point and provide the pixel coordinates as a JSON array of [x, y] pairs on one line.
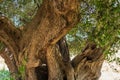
[[100, 22]]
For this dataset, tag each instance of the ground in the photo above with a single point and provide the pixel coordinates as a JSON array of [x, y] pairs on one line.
[[110, 71]]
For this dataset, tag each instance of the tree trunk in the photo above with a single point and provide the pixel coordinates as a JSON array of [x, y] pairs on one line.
[[40, 52]]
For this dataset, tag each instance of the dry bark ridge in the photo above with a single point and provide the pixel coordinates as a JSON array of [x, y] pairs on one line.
[[35, 47]]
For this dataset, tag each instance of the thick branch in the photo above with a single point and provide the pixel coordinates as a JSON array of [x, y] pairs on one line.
[[64, 51], [55, 72], [10, 36]]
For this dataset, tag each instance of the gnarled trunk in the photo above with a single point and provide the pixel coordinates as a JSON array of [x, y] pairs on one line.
[[85, 66], [39, 51]]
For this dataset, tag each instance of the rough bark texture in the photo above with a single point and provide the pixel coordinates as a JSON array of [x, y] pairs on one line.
[[87, 65], [41, 49]]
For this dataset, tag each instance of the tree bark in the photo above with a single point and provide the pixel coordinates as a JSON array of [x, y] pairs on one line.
[[40, 50], [87, 65]]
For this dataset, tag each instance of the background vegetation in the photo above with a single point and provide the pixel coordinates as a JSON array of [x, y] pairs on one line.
[[5, 75]]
